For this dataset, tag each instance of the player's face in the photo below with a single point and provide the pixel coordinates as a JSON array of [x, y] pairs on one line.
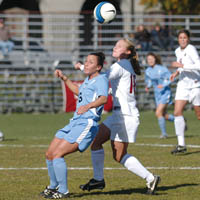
[[183, 40], [151, 61], [91, 66], [120, 50]]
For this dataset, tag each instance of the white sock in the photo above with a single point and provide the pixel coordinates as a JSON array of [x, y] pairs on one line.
[[181, 140], [179, 123], [133, 165], [98, 164]]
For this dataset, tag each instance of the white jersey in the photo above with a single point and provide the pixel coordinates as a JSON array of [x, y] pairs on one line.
[[189, 75], [123, 82]]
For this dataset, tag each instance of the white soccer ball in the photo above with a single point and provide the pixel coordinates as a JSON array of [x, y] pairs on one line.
[[1, 136], [104, 12]]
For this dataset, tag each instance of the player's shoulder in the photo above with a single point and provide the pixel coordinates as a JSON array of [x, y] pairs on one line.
[[161, 67], [126, 65], [123, 62], [177, 50], [102, 77], [148, 69], [190, 48]]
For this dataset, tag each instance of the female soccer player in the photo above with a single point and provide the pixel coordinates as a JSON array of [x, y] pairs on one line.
[[121, 127], [188, 86], [83, 127], [158, 76]]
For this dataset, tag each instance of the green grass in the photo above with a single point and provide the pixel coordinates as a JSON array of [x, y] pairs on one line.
[[27, 137]]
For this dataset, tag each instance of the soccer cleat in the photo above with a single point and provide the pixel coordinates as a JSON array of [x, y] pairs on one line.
[[163, 136], [57, 195], [179, 149], [93, 184], [152, 186], [48, 191]]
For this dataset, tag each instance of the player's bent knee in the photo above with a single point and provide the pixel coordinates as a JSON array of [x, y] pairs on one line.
[[117, 158], [95, 147]]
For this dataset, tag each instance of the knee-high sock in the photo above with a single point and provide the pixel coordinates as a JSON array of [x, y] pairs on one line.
[[170, 118], [60, 169], [98, 164], [133, 165], [179, 123], [51, 173], [161, 122]]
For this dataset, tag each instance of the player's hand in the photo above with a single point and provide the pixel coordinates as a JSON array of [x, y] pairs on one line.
[[177, 64], [146, 89], [58, 73], [173, 76], [78, 65], [160, 86], [83, 109]]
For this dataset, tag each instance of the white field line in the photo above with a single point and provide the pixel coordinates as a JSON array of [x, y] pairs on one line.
[[137, 144], [106, 168]]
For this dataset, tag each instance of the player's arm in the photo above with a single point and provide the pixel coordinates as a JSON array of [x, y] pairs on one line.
[[174, 75], [98, 102], [166, 78], [148, 82], [74, 88], [114, 72]]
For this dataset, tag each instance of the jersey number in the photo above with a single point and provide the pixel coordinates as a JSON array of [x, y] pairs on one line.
[[80, 98], [133, 83]]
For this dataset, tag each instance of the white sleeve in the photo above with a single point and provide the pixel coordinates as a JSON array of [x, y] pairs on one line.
[[194, 56], [82, 67], [114, 72]]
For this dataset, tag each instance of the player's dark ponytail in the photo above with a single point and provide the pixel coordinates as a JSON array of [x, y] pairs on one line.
[[133, 57]]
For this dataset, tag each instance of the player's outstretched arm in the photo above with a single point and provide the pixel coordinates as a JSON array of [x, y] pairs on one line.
[[98, 102], [74, 88]]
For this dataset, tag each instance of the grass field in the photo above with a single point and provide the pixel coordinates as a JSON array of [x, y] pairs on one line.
[[23, 173]]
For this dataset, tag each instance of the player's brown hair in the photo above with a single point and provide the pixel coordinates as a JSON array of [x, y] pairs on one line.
[[157, 58], [100, 57], [184, 31], [133, 56]]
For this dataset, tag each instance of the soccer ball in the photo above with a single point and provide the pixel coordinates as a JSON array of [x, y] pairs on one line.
[[1, 136], [104, 12]]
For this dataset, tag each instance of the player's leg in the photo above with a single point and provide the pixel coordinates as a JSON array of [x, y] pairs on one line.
[[179, 123], [169, 117], [97, 156], [97, 151], [49, 162], [160, 114], [60, 167], [197, 111], [133, 164], [196, 102]]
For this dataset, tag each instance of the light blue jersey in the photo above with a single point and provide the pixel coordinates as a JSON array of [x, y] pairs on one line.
[[83, 128], [89, 91], [159, 75]]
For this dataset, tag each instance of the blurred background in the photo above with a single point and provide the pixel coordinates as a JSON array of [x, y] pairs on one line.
[[46, 34]]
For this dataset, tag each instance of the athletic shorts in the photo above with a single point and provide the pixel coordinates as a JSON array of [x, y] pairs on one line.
[[191, 95], [165, 98], [81, 131], [123, 127]]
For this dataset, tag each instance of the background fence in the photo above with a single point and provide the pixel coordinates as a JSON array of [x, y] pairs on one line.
[[44, 42]]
